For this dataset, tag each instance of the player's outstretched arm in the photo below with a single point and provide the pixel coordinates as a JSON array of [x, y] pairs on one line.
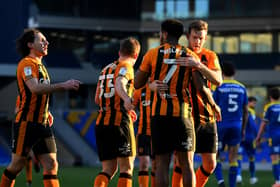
[[141, 79], [44, 87]]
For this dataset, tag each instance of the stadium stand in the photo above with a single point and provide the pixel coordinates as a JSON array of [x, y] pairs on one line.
[[73, 142], [62, 59], [253, 61], [101, 60], [5, 81], [5, 140], [83, 122]]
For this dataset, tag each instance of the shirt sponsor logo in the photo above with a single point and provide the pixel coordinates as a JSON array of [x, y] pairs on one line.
[[27, 71], [188, 144], [146, 102], [171, 50], [125, 148], [123, 71]]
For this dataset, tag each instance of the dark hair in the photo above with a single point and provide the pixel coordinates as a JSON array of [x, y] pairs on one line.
[[228, 69], [252, 98], [129, 46], [173, 27], [274, 93], [198, 25], [21, 43]]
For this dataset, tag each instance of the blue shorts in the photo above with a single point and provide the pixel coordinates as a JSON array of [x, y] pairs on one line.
[[249, 147], [229, 135], [274, 145]]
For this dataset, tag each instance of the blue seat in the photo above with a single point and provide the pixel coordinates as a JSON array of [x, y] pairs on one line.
[[5, 156]]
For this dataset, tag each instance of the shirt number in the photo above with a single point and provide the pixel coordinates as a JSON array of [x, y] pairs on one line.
[[109, 79], [233, 105], [278, 119]]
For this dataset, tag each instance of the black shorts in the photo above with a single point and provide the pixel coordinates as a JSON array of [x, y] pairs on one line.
[[35, 136], [144, 145], [206, 138], [172, 134], [115, 141]]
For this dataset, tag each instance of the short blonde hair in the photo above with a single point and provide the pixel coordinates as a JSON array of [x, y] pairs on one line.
[[129, 46], [198, 25]]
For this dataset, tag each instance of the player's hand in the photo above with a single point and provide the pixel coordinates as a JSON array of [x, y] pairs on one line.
[[158, 85], [71, 84], [217, 111], [50, 119], [128, 104], [188, 62], [243, 133], [133, 115], [258, 140]]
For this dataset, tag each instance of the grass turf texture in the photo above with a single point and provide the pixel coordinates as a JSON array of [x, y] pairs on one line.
[[84, 177]]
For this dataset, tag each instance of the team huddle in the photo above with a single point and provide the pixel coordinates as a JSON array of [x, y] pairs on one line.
[[188, 102], [178, 112]]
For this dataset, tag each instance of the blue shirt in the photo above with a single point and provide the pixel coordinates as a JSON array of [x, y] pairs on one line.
[[251, 128], [272, 117], [231, 97]]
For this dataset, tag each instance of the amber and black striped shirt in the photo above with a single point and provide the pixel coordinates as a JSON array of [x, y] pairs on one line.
[[202, 111], [142, 98], [32, 107], [111, 106], [176, 101]]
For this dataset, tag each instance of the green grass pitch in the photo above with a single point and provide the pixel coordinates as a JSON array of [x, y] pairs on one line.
[[84, 176]]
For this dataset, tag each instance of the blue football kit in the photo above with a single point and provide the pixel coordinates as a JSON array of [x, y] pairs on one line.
[[231, 97]]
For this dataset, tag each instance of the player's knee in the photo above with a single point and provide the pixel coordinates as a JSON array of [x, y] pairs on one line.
[[110, 169], [210, 166], [50, 165], [126, 168], [15, 169], [126, 165], [143, 166], [16, 165], [251, 158]]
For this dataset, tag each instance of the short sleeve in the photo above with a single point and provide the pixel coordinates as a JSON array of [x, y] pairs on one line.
[[18, 101], [266, 115], [245, 97], [214, 62], [146, 62], [126, 70], [27, 70]]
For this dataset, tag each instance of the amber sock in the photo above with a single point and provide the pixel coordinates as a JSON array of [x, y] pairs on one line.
[[8, 179], [201, 177], [143, 178], [125, 180], [28, 170], [102, 180], [177, 178], [153, 183], [50, 181]]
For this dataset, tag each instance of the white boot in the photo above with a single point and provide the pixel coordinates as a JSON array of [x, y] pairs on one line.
[[253, 180], [239, 179]]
